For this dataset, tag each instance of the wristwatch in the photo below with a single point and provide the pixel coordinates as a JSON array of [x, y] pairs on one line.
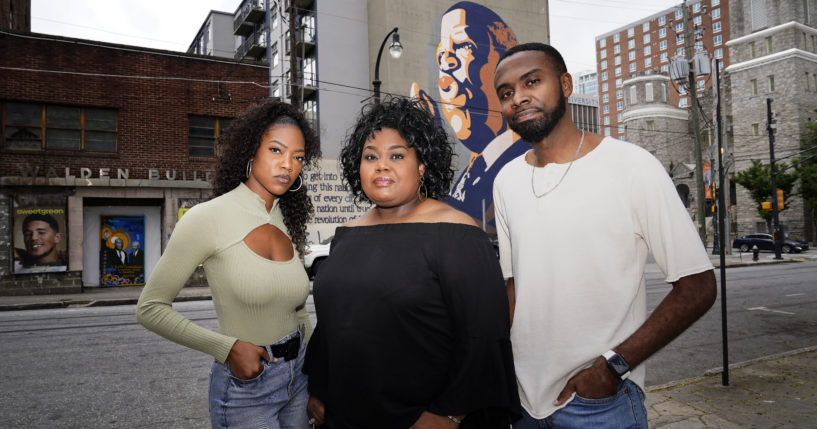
[[617, 364]]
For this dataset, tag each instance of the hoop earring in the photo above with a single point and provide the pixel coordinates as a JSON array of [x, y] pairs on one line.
[[249, 168], [300, 184], [422, 190]]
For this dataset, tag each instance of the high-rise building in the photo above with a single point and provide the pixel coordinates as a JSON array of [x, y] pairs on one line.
[[648, 45], [586, 82]]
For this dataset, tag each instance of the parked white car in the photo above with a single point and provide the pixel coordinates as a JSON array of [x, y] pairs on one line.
[[314, 254]]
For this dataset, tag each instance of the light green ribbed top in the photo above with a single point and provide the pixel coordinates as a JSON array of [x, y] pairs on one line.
[[256, 299]]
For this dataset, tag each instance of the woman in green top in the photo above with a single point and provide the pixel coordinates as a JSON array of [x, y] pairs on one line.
[[249, 238]]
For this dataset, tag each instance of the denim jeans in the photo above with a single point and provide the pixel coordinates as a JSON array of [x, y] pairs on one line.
[[623, 410], [275, 399]]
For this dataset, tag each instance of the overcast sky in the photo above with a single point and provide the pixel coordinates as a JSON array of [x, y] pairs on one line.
[[172, 24]]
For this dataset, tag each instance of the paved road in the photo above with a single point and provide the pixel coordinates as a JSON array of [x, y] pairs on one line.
[[95, 367]]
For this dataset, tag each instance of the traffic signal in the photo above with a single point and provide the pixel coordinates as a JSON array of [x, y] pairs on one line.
[[779, 199]]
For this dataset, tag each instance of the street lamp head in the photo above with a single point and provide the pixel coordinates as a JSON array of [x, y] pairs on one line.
[[395, 49]]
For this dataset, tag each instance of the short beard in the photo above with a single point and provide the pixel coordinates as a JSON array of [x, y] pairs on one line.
[[536, 130]]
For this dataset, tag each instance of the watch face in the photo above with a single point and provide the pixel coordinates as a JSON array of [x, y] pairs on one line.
[[618, 364]]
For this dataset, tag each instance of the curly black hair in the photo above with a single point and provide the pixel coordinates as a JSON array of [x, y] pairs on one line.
[[238, 144], [417, 126]]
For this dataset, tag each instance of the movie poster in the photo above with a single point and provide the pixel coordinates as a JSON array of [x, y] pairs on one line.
[[121, 250], [40, 243]]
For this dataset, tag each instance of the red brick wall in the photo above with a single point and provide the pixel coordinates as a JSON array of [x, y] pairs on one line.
[[154, 92]]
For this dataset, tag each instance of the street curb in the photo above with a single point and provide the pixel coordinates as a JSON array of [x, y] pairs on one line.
[[90, 303], [717, 370], [753, 263]]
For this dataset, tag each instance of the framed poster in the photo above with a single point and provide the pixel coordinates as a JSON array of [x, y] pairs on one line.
[[39, 240], [121, 250]]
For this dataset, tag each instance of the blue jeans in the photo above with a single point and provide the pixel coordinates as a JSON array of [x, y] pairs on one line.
[[275, 399], [623, 410]]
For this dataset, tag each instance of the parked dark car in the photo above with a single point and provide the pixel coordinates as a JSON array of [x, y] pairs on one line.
[[765, 242]]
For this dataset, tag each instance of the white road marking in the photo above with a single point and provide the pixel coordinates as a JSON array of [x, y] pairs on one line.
[[769, 310]]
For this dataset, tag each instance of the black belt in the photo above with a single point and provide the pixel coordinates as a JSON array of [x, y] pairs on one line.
[[288, 350]]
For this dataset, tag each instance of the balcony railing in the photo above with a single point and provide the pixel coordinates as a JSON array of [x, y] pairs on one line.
[[255, 45], [249, 13]]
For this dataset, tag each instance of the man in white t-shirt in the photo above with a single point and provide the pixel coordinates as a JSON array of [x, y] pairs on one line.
[[576, 218]]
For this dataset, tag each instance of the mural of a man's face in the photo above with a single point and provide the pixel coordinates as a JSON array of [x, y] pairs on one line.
[[118, 243], [455, 55], [135, 245]]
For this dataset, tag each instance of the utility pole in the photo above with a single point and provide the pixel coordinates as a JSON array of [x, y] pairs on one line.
[[721, 213], [268, 41], [778, 234], [693, 110]]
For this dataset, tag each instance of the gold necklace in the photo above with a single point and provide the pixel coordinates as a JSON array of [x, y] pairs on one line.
[[536, 161]]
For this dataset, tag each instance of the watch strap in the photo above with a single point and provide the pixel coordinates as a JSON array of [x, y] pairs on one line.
[[617, 364]]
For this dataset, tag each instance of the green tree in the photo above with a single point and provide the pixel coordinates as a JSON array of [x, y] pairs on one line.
[[806, 169], [757, 179]]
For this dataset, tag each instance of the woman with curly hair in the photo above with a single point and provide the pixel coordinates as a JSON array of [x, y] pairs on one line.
[[249, 238], [413, 323]]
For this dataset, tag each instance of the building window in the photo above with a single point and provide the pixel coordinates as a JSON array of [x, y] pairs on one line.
[[697, 20], [633, 95], [679, 39], [631, 55], [276, 90], [603, 43], [631, 44], [645, 26], [814, 76], [620, 129], [662, 45], [604, 65], [719, 53], [605, 109], [618, 71], [662, 32], [682, 90], [755, 130], [632, 67], [607, 131], [696, 7], [769, 45], [619, 94], [715, 2], [758, 12], [603, 53], [716, 27], [618, 83], [751, 49], [619, 105], [664, 57], [620, 117], [605, 98], [699, 46], [606, 120], [665, 68], [770, 82], [716, 13], [680, 52], [604, 86], [617, 60], [679, 27], [648, 62], [650, 127], [616, 38], [807, 82], [630, 32], [648, 95], [753, 86], [683, 102], [604, 75], [717, 40], [204, 131], [662, 20], [274, 54], [679, 13], [64, 127], [616, 49], [701, 84], [647, 50]]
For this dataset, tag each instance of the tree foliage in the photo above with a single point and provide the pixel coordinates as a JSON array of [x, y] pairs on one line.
[[806, 169], [757, 179]]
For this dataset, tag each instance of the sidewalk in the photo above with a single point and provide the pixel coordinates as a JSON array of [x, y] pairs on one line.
[[774, 391]]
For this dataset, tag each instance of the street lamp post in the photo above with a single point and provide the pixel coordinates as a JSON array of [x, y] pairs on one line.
[[395, 50]]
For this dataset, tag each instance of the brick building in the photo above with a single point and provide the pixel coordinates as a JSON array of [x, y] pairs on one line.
[[649, 44], [96, 133]]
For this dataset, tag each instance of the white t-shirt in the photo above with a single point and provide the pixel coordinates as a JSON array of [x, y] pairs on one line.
[[577, 256]]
